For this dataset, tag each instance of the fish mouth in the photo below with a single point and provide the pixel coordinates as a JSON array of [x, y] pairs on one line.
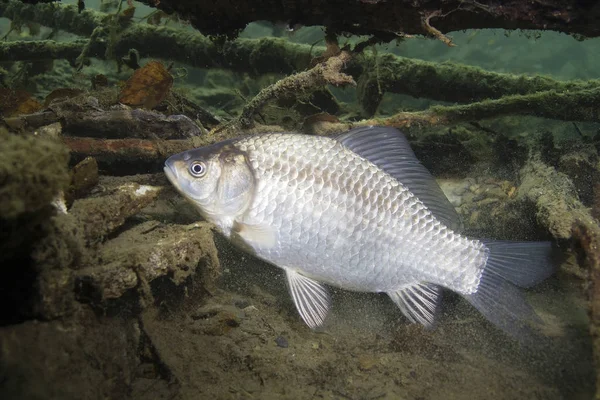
[[171, 173], [173, 176]]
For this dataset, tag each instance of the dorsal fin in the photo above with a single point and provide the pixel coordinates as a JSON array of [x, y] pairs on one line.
[[388, 149]]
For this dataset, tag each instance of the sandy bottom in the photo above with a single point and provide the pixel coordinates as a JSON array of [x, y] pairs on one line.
[[248, 342]]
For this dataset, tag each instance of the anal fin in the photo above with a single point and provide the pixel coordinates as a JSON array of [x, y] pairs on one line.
[[418, 302], [310, 297]]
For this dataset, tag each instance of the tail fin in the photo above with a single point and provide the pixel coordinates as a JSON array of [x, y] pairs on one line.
[[523, 263], [520, 263]]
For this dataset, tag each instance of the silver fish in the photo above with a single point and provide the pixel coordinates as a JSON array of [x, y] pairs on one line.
[[358, 212]]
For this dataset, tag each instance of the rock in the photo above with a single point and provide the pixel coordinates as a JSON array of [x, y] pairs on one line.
[[101, 215], [281, 342]]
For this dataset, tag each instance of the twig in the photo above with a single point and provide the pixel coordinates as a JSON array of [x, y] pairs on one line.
[[435, 32], [81, 58]]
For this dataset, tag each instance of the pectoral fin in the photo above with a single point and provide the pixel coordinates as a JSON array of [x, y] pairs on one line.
[[310, 297], [418, 302], [254, 236]]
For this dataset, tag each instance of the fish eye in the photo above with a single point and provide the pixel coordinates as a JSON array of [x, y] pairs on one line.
[[198, 169]]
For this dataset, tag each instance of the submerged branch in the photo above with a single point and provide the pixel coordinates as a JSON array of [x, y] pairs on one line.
[[569, 106], [328, 72], [127, 149], [115, 123], [449, 82]]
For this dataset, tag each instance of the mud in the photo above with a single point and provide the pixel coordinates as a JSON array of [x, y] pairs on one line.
[[366, 352]]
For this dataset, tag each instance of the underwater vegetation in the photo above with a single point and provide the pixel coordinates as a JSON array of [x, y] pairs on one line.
[[115, 287]]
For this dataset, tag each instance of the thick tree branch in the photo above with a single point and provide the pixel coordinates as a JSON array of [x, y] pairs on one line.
[[387, 19]]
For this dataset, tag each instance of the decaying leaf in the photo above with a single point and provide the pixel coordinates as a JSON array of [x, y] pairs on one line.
[[17, 102], [147, 87]]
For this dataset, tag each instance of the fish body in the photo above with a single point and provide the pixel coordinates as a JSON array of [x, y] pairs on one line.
[[357, 212], [340, 219]]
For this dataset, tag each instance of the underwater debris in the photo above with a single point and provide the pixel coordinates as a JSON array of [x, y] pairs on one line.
[[444, 82], [33, 172], [426, 24], [43, 244], [73, 240], [62, 94], [98, 216], [132, 59], [116, 156], [384, 18], [583, 168]]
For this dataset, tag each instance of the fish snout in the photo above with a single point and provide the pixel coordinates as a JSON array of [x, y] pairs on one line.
[[173, 167]]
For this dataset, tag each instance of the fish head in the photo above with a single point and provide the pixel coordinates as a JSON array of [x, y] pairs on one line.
[[217, 179]]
